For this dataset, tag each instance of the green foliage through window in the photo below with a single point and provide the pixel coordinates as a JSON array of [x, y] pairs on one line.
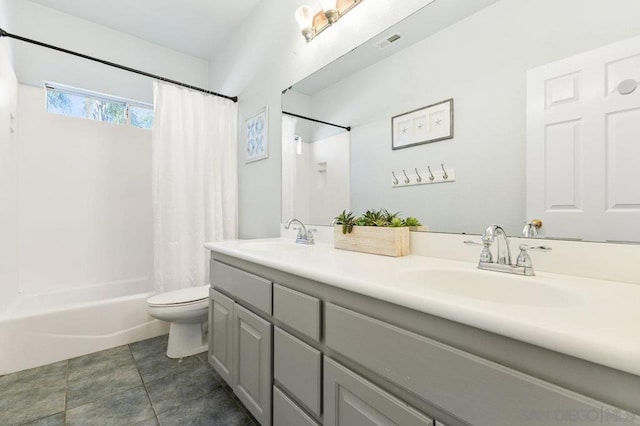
[[83, 104]]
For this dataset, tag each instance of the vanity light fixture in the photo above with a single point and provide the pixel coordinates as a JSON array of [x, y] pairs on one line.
[[313, 23]]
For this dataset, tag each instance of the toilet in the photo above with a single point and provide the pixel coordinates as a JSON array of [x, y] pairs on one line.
[[187, 310]]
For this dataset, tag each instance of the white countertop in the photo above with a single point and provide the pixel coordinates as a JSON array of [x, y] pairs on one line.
[[595, 320]]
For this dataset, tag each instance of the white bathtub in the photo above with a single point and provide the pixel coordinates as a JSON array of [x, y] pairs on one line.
[[38, 329]]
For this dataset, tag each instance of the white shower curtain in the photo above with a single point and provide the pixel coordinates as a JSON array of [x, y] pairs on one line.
[[288, 166], [194, 184]]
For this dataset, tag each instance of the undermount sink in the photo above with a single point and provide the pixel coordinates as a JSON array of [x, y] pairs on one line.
[[488, 286], [274, 246]]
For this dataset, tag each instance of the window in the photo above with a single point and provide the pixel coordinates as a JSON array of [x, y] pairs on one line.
[[94, 106]]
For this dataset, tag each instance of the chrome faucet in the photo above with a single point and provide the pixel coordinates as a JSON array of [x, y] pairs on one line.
[[530, 230], [496, 233], [304, 236], [523, 264]]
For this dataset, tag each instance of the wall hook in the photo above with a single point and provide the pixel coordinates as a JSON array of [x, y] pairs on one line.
[[406, 178], [395, 179], [445, 176], [431, 176], [419, 178]]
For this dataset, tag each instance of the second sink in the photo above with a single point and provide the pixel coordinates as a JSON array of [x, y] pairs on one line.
[[488, 286]]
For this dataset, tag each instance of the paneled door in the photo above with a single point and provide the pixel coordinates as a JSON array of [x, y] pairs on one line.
[[583, 144], [221, 335], [252, 363]]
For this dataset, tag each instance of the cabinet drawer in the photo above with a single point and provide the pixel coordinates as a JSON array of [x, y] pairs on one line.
[[297, 310], [476, 390], [297, 367], [351, 400], [287, 413], [245, 286]]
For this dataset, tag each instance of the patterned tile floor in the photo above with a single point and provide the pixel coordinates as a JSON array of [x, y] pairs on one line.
[[134, 384]]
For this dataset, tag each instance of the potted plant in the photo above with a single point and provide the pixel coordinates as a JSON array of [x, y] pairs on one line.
[[376, 232]]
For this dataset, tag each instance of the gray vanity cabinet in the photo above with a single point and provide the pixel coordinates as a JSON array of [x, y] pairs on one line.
[[303, 353], [252, 363], [351, 400]]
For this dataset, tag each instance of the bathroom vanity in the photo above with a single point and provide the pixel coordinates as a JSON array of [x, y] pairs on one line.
[[310, 335]]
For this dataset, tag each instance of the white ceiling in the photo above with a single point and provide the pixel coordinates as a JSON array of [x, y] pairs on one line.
[[195, 27]]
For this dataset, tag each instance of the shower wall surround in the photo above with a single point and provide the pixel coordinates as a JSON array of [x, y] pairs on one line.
[[85, 199], [8, 178]]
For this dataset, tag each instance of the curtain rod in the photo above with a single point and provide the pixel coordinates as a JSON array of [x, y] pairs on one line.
[[3, 33], [347, 128]]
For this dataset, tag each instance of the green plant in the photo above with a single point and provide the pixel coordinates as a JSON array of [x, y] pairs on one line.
[[347, 220], [389, 217], [396, 222], [412, 221], [374, 217]]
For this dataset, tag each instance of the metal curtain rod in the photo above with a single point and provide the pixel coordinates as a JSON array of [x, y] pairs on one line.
[[3, 33], [347, 128]]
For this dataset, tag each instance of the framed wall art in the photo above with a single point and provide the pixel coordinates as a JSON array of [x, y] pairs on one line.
[[257, 136], [425, 125]]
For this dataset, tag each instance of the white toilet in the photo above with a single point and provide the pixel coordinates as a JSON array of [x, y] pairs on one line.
[[187, 310]]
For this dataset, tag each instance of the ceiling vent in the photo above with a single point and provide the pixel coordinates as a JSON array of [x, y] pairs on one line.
[[388, 41]]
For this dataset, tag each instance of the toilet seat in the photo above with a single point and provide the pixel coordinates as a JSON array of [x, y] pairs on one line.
[[187, 310], [183, 297]]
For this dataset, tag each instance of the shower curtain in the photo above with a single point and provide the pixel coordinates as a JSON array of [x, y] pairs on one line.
[[288, 166], [194, 140]]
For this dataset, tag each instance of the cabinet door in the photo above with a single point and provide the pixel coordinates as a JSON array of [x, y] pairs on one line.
[[221, 335], [350, 400], [252, 363]]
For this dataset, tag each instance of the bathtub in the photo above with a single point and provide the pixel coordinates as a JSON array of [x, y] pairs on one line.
[[38, 329]]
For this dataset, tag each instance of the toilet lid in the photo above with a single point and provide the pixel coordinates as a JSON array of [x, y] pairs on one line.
[[184, 295]]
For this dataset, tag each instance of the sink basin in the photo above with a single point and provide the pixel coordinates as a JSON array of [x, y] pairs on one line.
[[274, 246], [488, 286]]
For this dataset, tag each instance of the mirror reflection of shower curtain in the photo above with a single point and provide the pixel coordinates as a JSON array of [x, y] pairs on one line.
[[288, 166]]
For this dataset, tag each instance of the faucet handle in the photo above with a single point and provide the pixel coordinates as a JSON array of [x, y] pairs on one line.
[[524, 259], [299, 229], [485, 254], [310, 234]]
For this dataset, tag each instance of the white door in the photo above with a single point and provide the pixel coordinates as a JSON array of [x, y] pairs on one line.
[[583, 145]]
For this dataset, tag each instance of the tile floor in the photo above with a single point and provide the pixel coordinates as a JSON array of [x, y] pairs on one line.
[[135, 384]]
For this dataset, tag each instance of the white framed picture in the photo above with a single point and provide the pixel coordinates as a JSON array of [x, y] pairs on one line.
[[424, 125], [257, 136]]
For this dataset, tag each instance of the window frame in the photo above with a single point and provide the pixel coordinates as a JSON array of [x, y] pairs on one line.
[[90, 96]]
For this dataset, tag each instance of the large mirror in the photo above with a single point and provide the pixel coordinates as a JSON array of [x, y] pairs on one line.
[[546, 121]]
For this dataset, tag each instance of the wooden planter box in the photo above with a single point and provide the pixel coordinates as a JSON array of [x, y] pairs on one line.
[[374, 240]]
